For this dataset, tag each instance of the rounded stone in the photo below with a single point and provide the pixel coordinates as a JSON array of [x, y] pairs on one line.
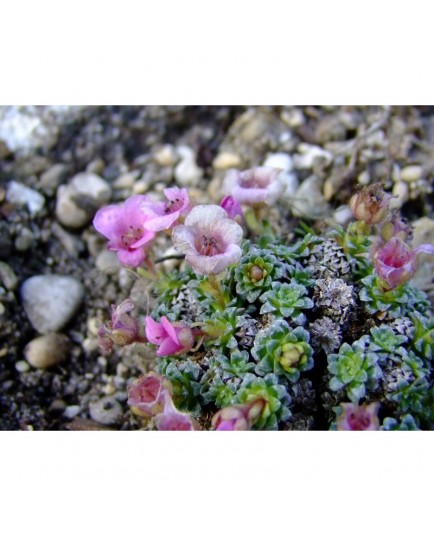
[[7, 277], [106, 410], [78, 201], [187, 172], [19, 194], [50, 301], [47, 350], [282, 161], [401, 191], [226, 160], [411, 173]]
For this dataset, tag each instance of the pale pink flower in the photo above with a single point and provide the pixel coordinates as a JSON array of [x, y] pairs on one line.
[[233, 208], [209, 239], [122, 330], [396, 263], [239, 417], [172, 420], [123, 226], [253, 186], [148, 393], [358, 418], [163, 214], [172, 338]]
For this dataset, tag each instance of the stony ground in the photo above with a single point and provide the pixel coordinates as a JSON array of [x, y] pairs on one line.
[[58, 165]]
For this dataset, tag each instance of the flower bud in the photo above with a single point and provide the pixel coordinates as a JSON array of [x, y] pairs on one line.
[[233, 208], [239, 417], [371, 204], [148, 394], [358, 418]]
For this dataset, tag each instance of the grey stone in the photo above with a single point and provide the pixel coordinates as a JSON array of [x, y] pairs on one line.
[[7, 276], [47, 350], [24, 240], [50, 301], [21, 195], [78, 201], [53, 177], [106, 410]]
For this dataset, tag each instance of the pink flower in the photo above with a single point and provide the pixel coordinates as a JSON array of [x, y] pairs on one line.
[[239, 417], [148, 393], [172, 338], [123, 226], [395, 263], [122, 330], [253, 186], [360, 418], [172, 420], [233, 208], [209, 239], [163, 214]]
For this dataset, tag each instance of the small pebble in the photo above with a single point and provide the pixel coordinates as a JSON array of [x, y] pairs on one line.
[[53, 177], [166, 156], [187, 172], [22, 366], [281, 161], [343, 215], [108, 262], [363, 179], [308, 201], [78, 201], [293, 118], [25, 240], [226, 160], [96, 166], [50, 301], [7, 276], [401, 191], [106, 410], [102, 361], [309, 155], [71, 411], [411, 173], [47, 350], [21, 195], [109, 389], [126, 180]]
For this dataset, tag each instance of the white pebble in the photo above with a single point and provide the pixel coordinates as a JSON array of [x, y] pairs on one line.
[[226, 160], [309, 154], [22, 366], [21, 195], [71, 411], [363, 179], [281, 161], [343, 215], [84, 188], [401, 191], [166, 156], [411, 173], [106, 410], [187, 172], [309, 201], [50, 301]]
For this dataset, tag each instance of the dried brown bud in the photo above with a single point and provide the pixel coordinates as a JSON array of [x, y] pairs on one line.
[[371, 204]]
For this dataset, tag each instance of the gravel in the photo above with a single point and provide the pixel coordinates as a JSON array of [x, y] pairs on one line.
[[59, 164]]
